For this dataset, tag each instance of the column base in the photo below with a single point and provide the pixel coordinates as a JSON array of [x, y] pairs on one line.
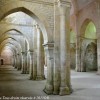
[[30, 78], [56, 89], [56, 92], [48, 89], [27, 72], [64, 91], [40, 78], [77, 70], [98, 72], [23, 72], [70, 89], [15, 67], [18, 69]]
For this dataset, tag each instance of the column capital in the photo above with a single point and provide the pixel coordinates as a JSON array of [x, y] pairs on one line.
[[49, 48], [31, 51], [63, 3], [23, 52], [49, 44], [37, 26]]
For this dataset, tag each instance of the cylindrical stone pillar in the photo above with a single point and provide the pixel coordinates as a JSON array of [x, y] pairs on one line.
[[23, 63], [78, 55], [98, 51], [33, 54], [31, 65], [40, 58], [64, 47], [15, 61], [18, 62], [49, 50], [28, 62]]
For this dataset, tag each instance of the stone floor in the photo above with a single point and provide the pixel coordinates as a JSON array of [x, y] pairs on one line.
[[86, 86]]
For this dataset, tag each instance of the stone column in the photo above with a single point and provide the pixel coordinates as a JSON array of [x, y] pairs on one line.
[[49, 50], [56, 75], [26, 67], [78, 55], [82, 54], [15, 61], [45, 60], [18, 62], [78, 46], [28, 62], [64, 8], [98, 38], [23, 63], [98, 57], [98, 50], [33, 54], [40, 54], [17, 56], [31, 65], [72, 55]]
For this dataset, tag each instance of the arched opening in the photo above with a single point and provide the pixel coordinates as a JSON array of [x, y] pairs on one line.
[[41, 20], [88, 37], [45, 30], [91, 57], [7, 55], [90, 31], [2, 62]]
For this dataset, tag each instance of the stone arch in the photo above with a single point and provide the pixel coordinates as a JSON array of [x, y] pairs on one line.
[[86, 39], [4, 42], [84, 25], [84, 29], [91, 57], [16, 30], [10, 38], [12, 28], [8, 46], [74, 5], [45, 23], [2, 48], [37, 15]]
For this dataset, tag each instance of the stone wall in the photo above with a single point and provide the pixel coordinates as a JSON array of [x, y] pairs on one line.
[[7, 57]]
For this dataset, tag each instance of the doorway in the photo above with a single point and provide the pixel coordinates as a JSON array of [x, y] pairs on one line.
[[2, 62]]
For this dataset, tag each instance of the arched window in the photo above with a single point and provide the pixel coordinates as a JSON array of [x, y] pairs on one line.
[[90, 31]]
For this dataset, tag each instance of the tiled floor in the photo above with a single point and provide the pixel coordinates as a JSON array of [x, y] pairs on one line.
[[86, 86]]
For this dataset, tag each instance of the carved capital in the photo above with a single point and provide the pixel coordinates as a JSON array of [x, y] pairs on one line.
[[49, 45], [63, 3]]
